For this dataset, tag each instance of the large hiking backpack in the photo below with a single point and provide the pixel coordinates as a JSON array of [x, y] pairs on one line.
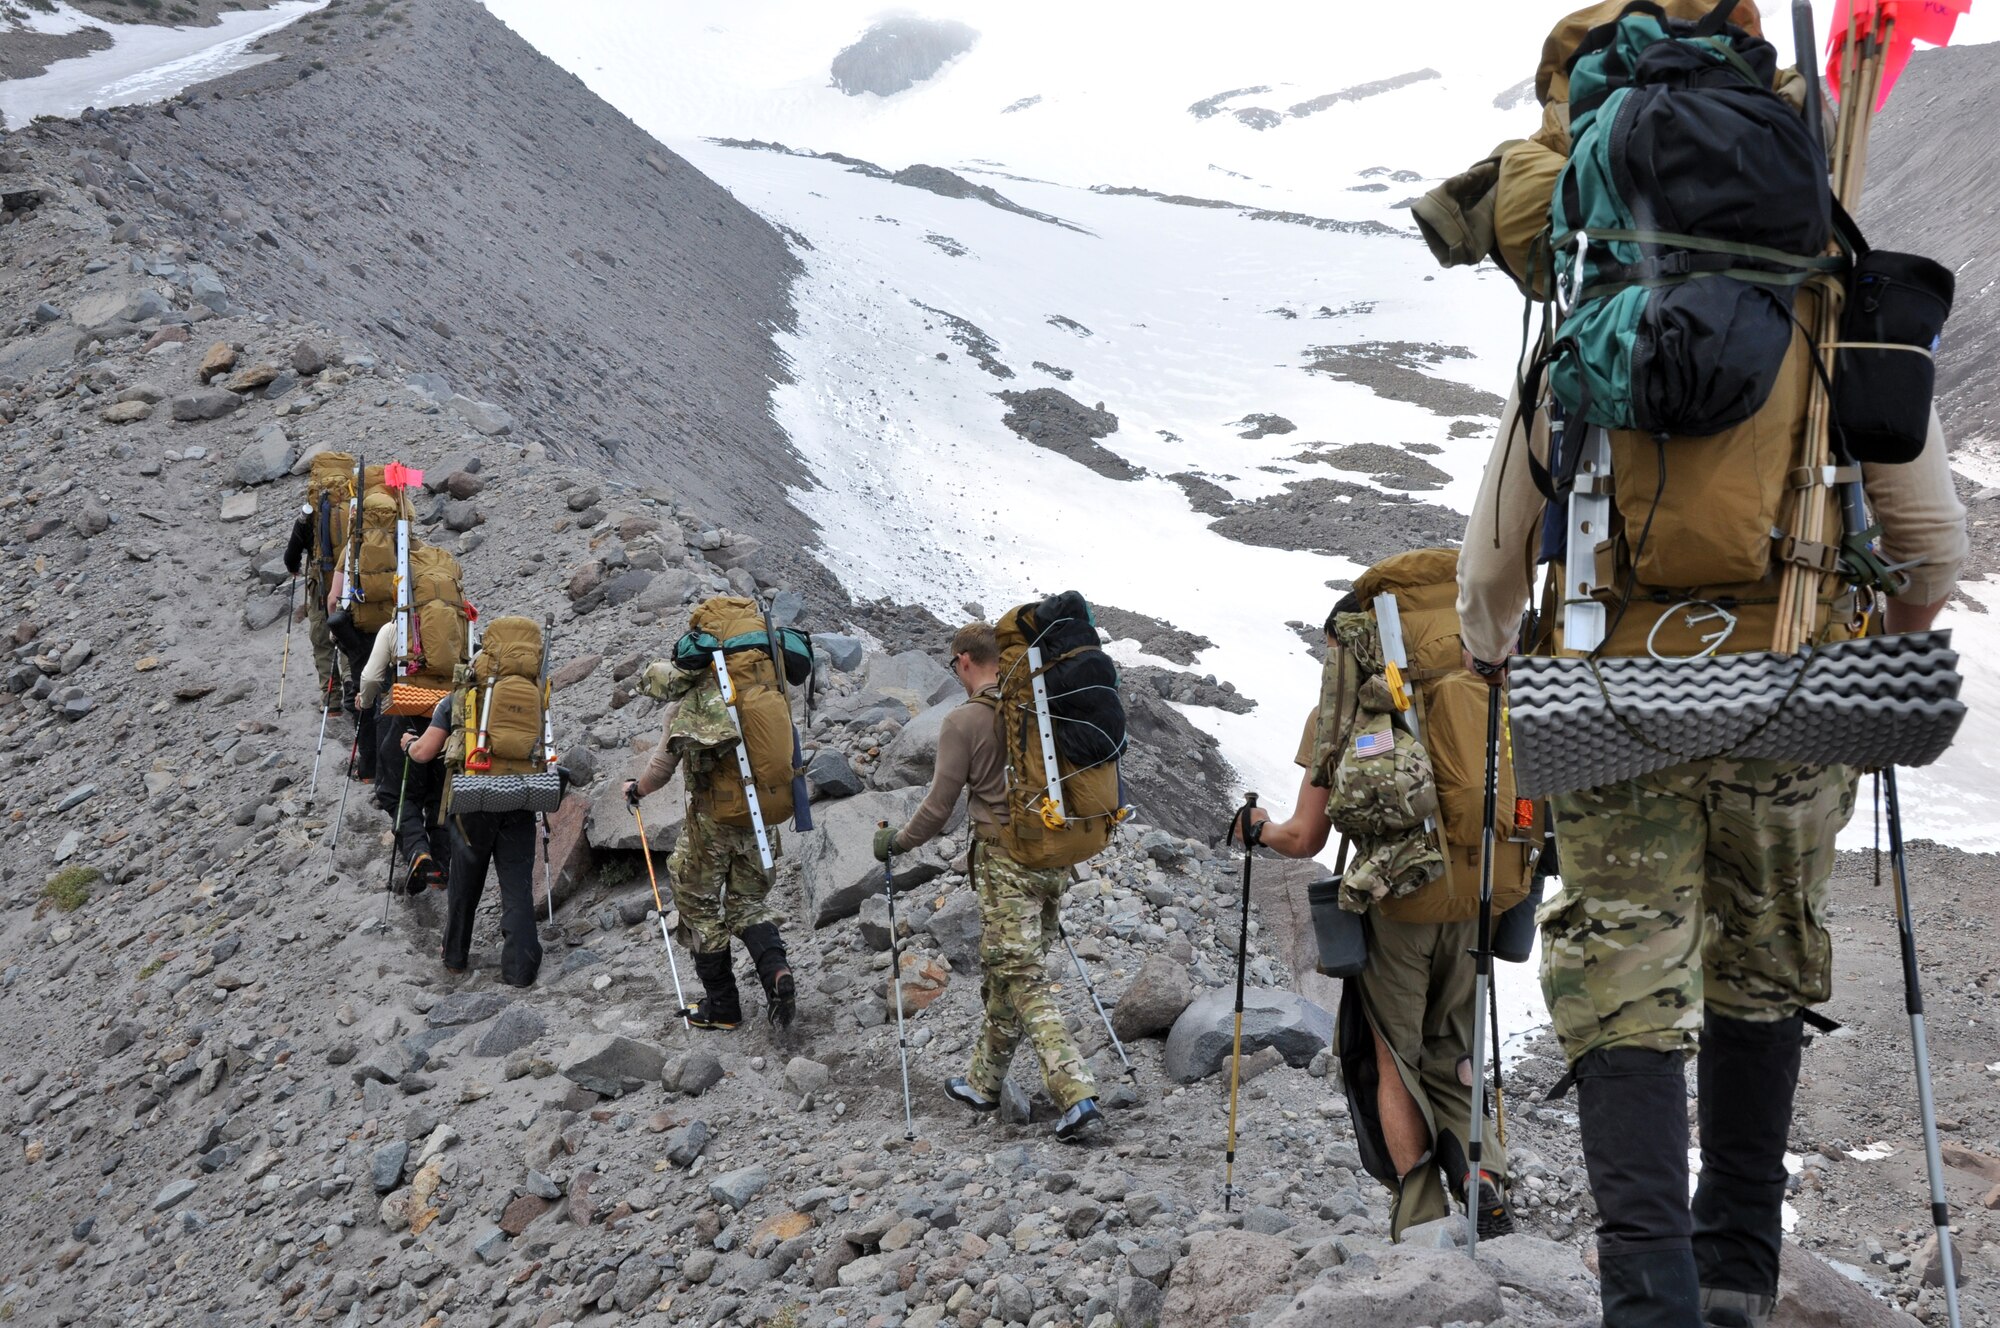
[[735, 626], [438, 628], [329, 485], [1058, 694], [375, 551], [1693, 205], [1449, 705], [498, 754]]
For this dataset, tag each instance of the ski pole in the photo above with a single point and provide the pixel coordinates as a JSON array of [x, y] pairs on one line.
[[548, 882], [896, 976], [1084, 973], [1482, 959], [660, 911], [326, 709], [1250, 834], [1499, 1100], [396, 840], [285, 662], [1913, 1001]]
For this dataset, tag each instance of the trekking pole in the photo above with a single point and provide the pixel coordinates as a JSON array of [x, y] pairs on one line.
[[660, 911], [548, 881], [352, 751], [396, 839], [1084, 973], [1913, 1001], [1482, 980], [896, 976], [1499, 1099], [325, 710], [1250, 835], [285, 662]]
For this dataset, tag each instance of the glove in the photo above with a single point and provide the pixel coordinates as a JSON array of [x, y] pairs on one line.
[[564, 777], [632, 793], [885, 842]]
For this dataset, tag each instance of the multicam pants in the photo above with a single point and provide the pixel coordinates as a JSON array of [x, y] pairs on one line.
[[1699, 887], [718, 882], [1017, 921], [322, 640]]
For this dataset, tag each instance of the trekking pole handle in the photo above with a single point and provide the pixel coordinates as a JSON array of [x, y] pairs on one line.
[[1243, 828]]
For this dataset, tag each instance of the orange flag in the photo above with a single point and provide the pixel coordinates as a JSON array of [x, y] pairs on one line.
[[1927, 21]]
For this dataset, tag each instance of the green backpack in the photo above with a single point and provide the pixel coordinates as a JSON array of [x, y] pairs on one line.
[[1694, 204]]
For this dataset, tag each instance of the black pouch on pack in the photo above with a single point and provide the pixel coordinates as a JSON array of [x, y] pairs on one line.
[[352, 642], [1884, 373]]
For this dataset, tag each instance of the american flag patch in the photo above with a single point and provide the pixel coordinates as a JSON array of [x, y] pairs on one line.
[[1375, 744]]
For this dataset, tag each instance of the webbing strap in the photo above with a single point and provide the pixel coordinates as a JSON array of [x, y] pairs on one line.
[[1924, 351], [1700, 244], [1599, 289], [1810, 554], [1822, 477]]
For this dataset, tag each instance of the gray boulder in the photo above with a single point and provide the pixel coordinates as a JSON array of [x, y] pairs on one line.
[[487, 418], [207, 288], [842, 652], [912, 756], [737, 1188], [1813, 1294], [1549, 1271], [267, 458], [210, 404], [1154, 999], [831, 775], [684, 1145], [518, 1026], [611, 827], [1226, 1275], [466, 1007], [910, 676], [954, 929], [692, 1073], [1202, 1036], [1399, 1288], [612, 1065], [840, 853]]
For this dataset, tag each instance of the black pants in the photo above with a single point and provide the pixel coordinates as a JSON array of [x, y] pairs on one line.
[[368, 736], [416, 792], [506, 840]]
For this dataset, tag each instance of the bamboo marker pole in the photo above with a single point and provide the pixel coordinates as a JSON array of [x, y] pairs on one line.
[[1862, 56]]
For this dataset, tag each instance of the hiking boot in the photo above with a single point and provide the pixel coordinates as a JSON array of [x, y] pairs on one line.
[[1735, 1309], [1078, 1120], [419, 877], [767, 951], [960, 1090], [1495, 1219], [719, 1008]]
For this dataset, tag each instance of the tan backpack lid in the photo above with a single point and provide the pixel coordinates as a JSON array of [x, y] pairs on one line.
[[1552, 77]]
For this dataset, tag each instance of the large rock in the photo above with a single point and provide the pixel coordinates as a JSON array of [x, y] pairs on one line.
[[212, 404], [487, 418], [954, 928], [1398, 1288], [910, 676], [1154, 998], [842, 652], [517, 1027], [569, 858], [831, 775], [612, 828], [1201, 1039], [912, 756], [1548, 1271], [1813, 1294], [840, 853], [466, 1007], [612, 1065], [1226, 1275], [267, 458]]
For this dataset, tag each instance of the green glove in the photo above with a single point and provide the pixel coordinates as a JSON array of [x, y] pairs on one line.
[[885, 842]]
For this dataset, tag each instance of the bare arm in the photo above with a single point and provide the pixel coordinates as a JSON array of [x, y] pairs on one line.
[[424, 747], [1305, 832]]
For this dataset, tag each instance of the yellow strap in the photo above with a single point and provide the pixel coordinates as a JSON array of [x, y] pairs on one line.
[[1399, 693]]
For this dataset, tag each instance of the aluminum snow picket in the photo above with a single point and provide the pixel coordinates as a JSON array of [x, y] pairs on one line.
[[1878, 701]]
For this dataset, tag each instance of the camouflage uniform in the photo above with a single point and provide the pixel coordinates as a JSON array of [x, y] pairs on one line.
[[1699, 887], [718, 878], [719, 883], [322, 640], [1017, 919]]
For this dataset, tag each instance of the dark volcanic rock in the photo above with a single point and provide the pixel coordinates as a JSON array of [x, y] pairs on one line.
[[1052, 418], [899, 53]]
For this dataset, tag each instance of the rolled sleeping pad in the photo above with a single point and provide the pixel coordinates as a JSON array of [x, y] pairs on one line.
[[1343, 941], [1514, 930]]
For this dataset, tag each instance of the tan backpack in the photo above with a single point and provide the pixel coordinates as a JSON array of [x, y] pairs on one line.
[[329, 485], [1057, 684], [375, 551], [1450, 708], [735, 626], [438, 626]]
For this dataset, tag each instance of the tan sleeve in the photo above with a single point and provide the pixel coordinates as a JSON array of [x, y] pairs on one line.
[[666, 759], [375, 673], [954, 763], [1496, 565], [1306, 740], [1923, 522]]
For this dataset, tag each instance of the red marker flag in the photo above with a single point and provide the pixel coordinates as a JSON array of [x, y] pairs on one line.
[[1927, 21], [396, 475]]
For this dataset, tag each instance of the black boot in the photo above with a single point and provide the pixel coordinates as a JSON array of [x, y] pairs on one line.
[[1495, 1217], [767, 952], [1632, 1106], [1747, 1074], [719, 1006]]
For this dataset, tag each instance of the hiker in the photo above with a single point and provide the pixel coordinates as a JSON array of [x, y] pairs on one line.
[[410, 793], [1405, 1025], [1018, 906], [303, 540], [719, 868], [1691, 920]]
